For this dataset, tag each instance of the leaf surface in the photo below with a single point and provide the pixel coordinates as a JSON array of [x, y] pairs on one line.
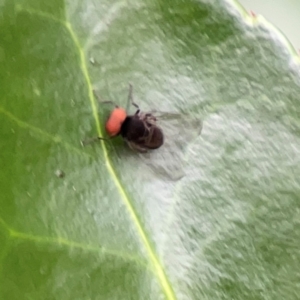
[[208, 216]]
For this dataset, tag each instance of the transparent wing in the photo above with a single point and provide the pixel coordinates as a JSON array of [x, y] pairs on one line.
[[180, 131]]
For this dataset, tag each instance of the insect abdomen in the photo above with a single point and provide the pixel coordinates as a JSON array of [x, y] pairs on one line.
[[156, 138]]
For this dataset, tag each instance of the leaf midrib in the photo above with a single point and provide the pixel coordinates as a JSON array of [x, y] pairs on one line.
[[157, 266]]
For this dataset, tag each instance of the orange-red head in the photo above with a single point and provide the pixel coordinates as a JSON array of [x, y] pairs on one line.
[[115, 120]]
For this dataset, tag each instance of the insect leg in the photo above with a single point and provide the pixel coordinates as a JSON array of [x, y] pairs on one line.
[[130, 98], [150, 118], [105, 101], [136, 147], [92, 140]]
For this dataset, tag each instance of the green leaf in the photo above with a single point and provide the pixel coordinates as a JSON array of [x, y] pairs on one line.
[[210, 216]]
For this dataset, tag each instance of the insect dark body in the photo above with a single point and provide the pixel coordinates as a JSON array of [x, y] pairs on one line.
[[141, 133], [139, 130]]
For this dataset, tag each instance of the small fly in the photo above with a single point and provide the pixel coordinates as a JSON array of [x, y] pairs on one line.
[[139, 131]]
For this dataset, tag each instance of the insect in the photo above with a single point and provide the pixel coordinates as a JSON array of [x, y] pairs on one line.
[[139, 131]]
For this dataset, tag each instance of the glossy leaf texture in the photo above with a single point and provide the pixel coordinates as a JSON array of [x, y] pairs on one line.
[[213, 214]]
